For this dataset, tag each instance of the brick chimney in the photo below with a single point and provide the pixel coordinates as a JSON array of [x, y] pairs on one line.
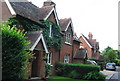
[[90, 36], [49, 3]]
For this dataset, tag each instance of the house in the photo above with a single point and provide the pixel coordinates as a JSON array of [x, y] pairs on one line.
[[29, 12], [91, 45], [26, 12], [70, 42]]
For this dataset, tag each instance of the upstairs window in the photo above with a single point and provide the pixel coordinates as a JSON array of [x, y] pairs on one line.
[[68, 37], [66, 58], [51, 32], [49, 58]]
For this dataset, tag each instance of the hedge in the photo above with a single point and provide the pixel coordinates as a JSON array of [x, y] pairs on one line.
[[64, 69], [15, 58]]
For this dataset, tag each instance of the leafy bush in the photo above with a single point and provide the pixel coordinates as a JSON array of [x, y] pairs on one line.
[[94, 76], [73, 74], [64, 69], [48, 69], [14, 55]]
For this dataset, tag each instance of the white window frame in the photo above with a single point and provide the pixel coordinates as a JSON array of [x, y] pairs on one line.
[[49, 58], [68, 36], [50, 34], [66, 58]]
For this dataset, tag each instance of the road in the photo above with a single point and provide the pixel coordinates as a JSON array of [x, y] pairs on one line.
[[116, 75]]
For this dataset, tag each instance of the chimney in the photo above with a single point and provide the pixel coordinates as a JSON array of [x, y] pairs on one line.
[[90, 36], [49, 3]]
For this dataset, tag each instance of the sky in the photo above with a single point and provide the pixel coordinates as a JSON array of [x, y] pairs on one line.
[[97, 16]]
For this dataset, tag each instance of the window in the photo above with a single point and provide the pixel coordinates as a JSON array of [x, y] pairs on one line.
[[66, 58], [68, 37], [50, 34], [49, 58]]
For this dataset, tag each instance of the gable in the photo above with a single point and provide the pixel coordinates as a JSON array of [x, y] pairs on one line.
[[52, 16], [65, 24], [69, 29], [35, 37], [84, 41]]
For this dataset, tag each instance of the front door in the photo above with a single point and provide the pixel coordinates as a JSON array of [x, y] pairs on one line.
[[36, 65]]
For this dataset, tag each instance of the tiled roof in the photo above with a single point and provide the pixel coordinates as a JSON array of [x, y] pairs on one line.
[[75, 38], [64, 23], [32, 36], [30, 11], [44, 11], [26, 9], [81, 54]]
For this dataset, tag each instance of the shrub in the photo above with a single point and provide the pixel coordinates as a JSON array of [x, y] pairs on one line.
[[64, 69], [14, 55], [73, 74], [94, 76]]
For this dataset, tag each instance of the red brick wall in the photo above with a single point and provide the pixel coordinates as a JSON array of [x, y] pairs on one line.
[[5, 12], [52, 18], [75, 47], [66, 49], [85, 45]]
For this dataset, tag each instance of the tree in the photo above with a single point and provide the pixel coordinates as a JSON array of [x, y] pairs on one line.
[[14, 54], [110, 54]]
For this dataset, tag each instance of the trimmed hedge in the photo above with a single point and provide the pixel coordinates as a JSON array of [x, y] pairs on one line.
[[64, 69]]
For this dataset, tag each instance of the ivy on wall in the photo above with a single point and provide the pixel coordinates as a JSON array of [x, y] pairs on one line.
[[54, 41]]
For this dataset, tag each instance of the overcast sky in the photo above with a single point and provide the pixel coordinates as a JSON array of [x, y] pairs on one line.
[[97, 16]]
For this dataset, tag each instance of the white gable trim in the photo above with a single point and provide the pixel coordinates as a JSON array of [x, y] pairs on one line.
[[86, 41], [10, 7], [70, 22], [53, 10], [39, 38]]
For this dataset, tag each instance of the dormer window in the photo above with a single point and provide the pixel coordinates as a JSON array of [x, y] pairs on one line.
[[68, 37]]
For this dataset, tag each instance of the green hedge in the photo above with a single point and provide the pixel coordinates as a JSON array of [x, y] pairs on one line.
[[64, 69], [14, 55]]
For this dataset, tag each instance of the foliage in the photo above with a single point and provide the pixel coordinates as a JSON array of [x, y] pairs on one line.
[[48, 69], [27, 24], [73, 74], [14, 55], [94, 76], [64, 69], [54, 41], [109, 54]]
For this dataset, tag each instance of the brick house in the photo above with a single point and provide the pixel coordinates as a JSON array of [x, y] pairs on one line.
[[70, 42], [22, 11], [25, 10], [91, 45]]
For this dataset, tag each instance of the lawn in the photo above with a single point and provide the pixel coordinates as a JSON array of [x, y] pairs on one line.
[[58, 78]]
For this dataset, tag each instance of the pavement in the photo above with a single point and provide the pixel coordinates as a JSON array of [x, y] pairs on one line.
[[108, 73]]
